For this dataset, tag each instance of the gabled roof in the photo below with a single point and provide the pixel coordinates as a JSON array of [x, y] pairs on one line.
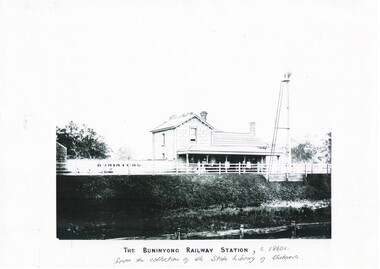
[[59, 145], [174, 122]]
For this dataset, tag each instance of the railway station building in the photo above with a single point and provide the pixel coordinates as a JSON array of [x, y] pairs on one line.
[[190, 138]]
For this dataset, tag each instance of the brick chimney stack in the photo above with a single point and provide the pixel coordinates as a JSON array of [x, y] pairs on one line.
[[252, 128], [204, 116]]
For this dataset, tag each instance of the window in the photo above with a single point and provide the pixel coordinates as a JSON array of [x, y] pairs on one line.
[[193, 134], [163, 139]]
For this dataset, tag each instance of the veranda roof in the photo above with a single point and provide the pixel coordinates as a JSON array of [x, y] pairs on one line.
[[227, 150]]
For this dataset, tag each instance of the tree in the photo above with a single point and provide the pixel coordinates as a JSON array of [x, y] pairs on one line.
[[82, 142], [124, 154], [326, 148], [304, 152]]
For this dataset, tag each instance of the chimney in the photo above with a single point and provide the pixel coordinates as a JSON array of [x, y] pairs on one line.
[[252, 128], [204, 116]]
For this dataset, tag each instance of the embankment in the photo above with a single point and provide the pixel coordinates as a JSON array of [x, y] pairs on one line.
[[138, 201], [84, 194]]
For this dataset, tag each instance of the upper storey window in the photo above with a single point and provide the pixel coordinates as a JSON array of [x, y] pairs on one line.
[[193, 134]]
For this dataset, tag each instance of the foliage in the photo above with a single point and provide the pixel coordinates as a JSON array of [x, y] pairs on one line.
[[157, 204], [304, 152], [326, 148], [147, 194], [307, 151], [124, 154], [82, 142]]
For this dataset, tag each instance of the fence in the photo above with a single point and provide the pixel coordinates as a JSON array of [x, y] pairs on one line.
[[97, 167]]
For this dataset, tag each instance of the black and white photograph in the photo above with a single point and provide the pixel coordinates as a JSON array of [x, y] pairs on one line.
[[189, 133], [199, 182]]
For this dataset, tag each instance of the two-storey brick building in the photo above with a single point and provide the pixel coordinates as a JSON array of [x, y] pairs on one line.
[[190, 138]]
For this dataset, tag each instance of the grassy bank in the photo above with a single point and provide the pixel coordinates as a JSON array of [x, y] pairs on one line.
[[112, 206]]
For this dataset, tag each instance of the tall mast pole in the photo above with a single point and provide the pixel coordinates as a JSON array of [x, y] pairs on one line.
[[289, 147], [284, 86]]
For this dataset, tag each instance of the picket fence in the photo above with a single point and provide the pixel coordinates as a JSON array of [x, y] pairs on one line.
[[100, 167]]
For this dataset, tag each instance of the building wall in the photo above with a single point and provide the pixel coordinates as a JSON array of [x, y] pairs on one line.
[[179, 138], [168, 148], [183, 134]]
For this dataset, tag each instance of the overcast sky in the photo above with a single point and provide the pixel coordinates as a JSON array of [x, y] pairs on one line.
[[125, 67]]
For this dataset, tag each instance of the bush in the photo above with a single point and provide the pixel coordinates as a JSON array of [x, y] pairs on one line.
[[142, 196]]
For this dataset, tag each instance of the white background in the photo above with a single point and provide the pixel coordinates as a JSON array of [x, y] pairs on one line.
[[123, 67]]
